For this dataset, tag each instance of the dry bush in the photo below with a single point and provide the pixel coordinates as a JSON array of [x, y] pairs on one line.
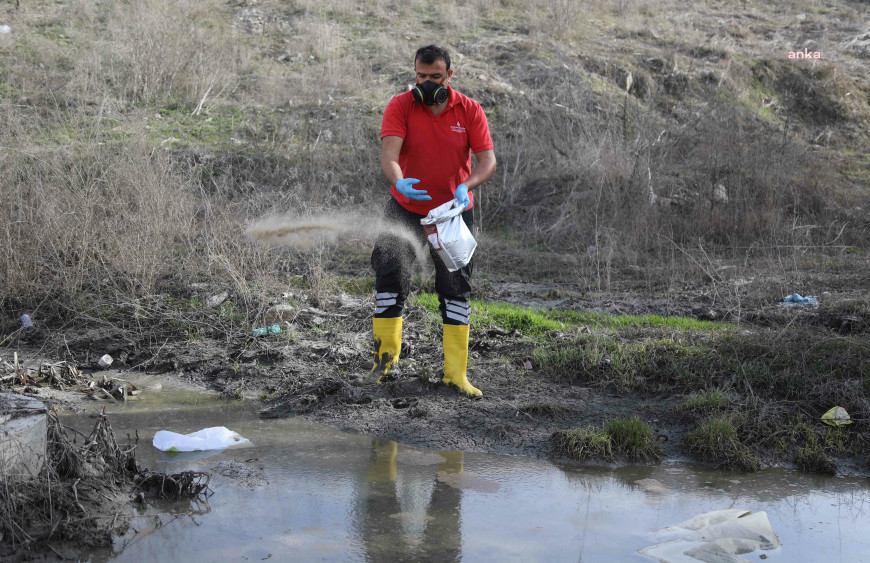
[[554, 17], [604, 176], [157, 51], [78, 213], [97, 224], [457, 17], [320, 37], [583, 167]]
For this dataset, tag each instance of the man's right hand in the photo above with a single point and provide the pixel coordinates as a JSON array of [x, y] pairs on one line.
[[405, 186]]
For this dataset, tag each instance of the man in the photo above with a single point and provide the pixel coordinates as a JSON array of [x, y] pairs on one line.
[[427, 136]]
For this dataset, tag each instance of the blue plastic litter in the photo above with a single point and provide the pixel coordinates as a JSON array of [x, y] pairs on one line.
[[264, 330], [795, 300]]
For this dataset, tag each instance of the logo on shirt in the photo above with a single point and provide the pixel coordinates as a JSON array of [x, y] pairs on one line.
[[458, 128]]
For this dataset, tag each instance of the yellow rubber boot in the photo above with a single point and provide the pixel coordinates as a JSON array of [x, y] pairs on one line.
[[388, 344], [456, 360]]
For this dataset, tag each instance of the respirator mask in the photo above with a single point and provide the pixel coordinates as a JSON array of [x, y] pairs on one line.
[[430, 93]]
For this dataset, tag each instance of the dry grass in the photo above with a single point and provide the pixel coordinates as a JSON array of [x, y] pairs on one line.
[[157, 51], [93, 226], [145, 136]]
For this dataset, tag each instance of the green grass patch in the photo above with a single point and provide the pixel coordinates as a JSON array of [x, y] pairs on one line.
[[802, 364], [538, 322], [233, 128], [633, 438], [702, 404], [583, 444], [628, 364], [718, 440], [628, 437], [811, 457], [818, 443]]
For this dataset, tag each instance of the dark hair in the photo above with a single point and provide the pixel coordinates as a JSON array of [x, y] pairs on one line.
[[431, 53]]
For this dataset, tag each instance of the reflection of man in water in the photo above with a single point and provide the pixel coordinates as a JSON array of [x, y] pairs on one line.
[[410, 516], [428, 136]]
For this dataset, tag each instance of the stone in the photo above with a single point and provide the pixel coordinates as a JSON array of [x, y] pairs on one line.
[[216, 300], [282, 312]]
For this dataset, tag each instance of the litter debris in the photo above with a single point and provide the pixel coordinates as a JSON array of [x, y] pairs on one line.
[[105, 361], [59, 375], [836, 416], [5, 29], [215, 438], [26, 323], [264, 330], [720, 535], [111, 388], [216, 300], [795, 300]]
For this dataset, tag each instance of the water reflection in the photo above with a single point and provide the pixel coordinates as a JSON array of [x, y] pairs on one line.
[[340, 497], [412, 517]]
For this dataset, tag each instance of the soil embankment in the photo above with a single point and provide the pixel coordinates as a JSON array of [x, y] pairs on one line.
[[757, 386]]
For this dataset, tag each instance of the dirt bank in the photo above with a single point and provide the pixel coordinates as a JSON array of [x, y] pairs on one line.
[[543, 371]]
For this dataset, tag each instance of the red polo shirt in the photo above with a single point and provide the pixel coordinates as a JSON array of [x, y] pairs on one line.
[[436, 149]]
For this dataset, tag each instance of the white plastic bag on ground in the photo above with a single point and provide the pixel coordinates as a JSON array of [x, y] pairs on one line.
[[215, 438], [449, 236], [720, 536]]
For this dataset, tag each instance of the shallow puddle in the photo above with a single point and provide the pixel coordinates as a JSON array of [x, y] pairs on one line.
[[305, 492]]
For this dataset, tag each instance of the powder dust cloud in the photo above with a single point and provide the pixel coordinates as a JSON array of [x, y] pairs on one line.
[[307, 232]]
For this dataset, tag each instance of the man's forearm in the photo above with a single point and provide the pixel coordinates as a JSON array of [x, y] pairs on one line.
[[483, 171], [392, 171], [390, 148]]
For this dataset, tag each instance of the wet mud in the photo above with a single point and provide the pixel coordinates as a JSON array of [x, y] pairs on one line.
[[310, 370]]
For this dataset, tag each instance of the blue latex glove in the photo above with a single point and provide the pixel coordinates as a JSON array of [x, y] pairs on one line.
[[461, 195], [405, 186]]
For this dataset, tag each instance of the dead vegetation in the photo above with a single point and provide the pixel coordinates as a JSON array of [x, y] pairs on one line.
[[641, 149], [65, 375], [81, 493], [65, 502], [177, 486], [150, 134]]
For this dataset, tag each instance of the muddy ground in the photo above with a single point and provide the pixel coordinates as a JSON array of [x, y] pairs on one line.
[[309, 369]]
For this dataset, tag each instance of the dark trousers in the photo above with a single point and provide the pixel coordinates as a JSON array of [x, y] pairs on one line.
[[393, 262]]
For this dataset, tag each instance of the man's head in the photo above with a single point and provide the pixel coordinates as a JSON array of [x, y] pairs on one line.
[[432, 63], [431, 53]]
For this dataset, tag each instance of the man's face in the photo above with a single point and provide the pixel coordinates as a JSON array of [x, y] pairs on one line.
[[436, 72]]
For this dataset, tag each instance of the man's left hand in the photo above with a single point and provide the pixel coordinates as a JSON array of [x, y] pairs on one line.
[[461, 195]]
